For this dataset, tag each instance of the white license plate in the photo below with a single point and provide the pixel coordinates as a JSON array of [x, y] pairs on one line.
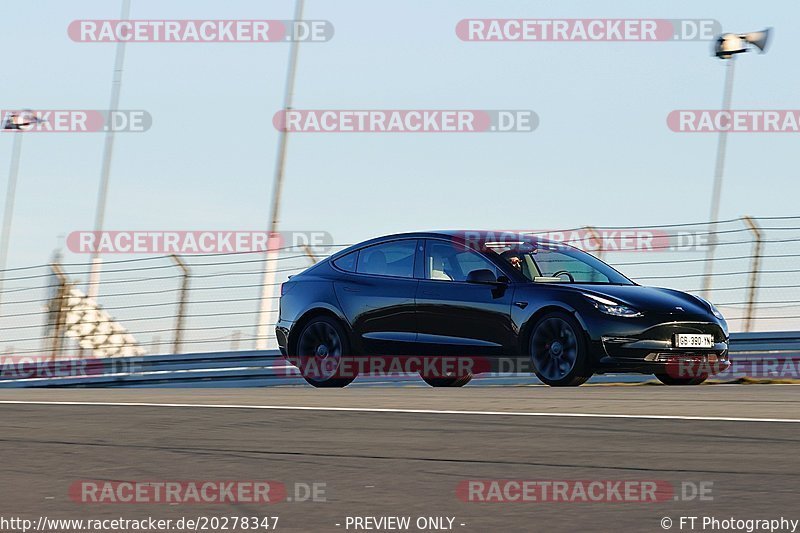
[[694, 340]]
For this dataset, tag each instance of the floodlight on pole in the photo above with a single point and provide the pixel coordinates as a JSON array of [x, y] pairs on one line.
[[729, 44], [726, 47], [93, 287], [271, 257], [15, 123]]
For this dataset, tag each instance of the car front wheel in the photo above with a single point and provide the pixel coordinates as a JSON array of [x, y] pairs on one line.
[[558, 351]]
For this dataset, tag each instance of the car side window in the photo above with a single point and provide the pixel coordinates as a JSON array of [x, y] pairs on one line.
[[446, 261], [347, 262], [394, 258]]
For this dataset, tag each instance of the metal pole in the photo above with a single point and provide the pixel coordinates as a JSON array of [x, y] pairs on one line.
[[235, 340], [176, 345], [596, 238], [310, 254], [719, 169], [754, 270], [599, 252], [108, 149], [57, 306], [271, 257], [11, 192]]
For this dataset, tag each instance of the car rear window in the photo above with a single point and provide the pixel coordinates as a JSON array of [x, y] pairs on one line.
[[394, 258]]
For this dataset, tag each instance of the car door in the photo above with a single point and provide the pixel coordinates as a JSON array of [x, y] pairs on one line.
[[457, 317], [378, 297]]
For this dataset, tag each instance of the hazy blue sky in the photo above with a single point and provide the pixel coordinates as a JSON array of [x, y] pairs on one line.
[[602, 153]]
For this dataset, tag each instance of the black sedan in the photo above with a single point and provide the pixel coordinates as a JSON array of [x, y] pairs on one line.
[[544, 306]]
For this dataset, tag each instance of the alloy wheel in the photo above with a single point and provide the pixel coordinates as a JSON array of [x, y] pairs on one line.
[[321, 345], [554, 348]]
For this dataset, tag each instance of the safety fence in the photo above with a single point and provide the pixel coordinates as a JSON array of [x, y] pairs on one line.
[[748, 267]]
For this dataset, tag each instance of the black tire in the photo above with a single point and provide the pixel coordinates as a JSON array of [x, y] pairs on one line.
[[666, 379], [322, 352], [559, 352], [448, 381]]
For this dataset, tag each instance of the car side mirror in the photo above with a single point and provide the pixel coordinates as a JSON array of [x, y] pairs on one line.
[[482, 275]]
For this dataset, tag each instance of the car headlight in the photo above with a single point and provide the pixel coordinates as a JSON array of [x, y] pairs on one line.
[[610, 307], [714, 310]]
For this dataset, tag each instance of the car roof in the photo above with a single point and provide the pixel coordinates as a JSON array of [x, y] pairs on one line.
[[473, 237], [479, 236]]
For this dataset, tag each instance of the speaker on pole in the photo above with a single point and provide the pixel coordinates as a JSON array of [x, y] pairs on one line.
[[759, 39]]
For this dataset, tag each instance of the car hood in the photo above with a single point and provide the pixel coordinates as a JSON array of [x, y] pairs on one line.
[[649, 299]]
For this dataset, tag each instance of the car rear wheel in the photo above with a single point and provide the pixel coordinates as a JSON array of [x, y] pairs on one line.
[[558, 351], [666, 379], [447, 381], [322, 349]]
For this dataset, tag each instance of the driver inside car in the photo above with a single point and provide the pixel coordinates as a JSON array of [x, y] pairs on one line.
[[512, 257]]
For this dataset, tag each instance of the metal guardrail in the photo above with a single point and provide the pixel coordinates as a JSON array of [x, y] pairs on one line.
[[765, 342], [268, 368], [220, 369]]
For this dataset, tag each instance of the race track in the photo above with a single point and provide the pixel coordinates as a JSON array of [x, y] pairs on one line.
[[404, 451]]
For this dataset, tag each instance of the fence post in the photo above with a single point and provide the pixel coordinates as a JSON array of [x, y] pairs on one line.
[[754, 269], [176, 345], [596, 238], [235, 336], [59, 290], [310, 254], [599, 253]]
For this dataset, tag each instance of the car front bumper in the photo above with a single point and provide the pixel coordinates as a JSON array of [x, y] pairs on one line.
[[653, 350]]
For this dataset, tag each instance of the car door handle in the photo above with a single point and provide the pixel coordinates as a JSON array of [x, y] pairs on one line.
[[351, 289], [430, 293], [521, 305]]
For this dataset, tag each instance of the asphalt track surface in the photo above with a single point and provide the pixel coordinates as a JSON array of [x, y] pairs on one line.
[[404, 451]]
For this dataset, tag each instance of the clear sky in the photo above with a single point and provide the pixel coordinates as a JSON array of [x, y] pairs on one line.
[[602, 153]]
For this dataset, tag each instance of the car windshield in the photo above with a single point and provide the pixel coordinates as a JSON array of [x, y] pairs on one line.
[[557, 263]]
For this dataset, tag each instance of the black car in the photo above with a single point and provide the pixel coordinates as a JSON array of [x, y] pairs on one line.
[[500, 297]]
